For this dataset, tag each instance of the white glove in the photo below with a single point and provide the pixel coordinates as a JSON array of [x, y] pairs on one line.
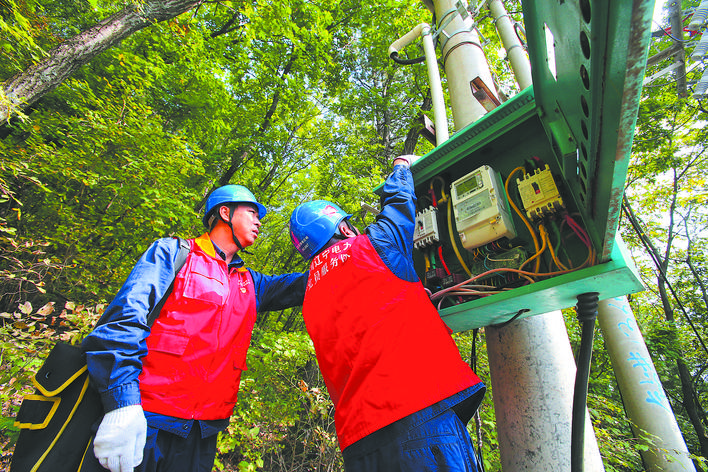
[[408, 158], [120, 439]]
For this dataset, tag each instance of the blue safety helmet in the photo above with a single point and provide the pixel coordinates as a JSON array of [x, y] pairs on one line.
[[314, 223], [230, 194]]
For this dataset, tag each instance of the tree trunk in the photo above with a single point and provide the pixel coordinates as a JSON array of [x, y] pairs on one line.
[[689, 400], [25, 88], [692, 408]]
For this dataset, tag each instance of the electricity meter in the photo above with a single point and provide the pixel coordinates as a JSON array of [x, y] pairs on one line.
[[481, 209]]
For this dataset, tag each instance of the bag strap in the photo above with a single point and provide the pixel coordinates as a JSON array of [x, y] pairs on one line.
[[184, 249]]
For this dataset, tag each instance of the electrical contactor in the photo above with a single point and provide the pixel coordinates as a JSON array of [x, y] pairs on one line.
[[481, 209]]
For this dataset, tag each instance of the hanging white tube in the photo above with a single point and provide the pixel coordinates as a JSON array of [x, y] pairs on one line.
[[441, 132], [439, 114]]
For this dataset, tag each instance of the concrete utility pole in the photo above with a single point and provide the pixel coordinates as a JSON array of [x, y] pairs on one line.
[[680, 54], [533, 376], [644, 399], [469, 79]]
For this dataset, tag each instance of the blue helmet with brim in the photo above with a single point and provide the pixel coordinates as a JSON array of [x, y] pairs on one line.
[[313, 224], [230, 194]]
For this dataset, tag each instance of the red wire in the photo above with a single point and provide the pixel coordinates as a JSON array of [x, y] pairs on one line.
[[582, 235], [443, 260]]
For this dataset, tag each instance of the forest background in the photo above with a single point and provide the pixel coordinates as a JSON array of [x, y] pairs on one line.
[[150, 105]]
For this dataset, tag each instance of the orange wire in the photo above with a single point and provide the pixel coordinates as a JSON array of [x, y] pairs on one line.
[[536, 256], [523, 218]]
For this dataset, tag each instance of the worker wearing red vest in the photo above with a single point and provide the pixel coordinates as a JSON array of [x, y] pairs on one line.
[[402, 393], [169, 389]]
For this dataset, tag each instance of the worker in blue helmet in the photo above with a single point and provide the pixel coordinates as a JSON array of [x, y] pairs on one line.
[[168, 389], [401, 392], [229, 195], [314, 223]]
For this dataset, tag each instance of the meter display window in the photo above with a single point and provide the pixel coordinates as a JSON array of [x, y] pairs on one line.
[[470, 185]]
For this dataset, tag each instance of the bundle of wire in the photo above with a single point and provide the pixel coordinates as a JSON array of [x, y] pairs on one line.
[[542, 244]]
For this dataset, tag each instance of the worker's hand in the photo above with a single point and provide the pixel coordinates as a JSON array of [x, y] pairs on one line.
[[120, 439], [406, 159]]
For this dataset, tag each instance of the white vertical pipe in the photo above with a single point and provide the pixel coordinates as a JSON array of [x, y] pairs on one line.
[[644, 400], [533, 376], [440, 114], [436, 92], [464, 60], [518, 59]]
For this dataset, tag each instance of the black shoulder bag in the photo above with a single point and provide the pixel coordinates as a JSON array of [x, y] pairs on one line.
[[55, 422]]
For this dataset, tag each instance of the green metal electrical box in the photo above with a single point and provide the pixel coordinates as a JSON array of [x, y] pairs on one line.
[[576, 124]]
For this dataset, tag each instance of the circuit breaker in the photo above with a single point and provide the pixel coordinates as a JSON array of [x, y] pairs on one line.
[[539, 194], [426, 228]]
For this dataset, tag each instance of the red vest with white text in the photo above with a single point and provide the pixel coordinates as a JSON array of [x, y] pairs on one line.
[[382, 348], [197, 346]]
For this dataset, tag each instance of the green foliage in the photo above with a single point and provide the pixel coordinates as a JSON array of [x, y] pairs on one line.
[[21, 29], [26, 337], [482, 427], [111, 182], [619, 447], [296, 100], [666, 189], [284, 417]]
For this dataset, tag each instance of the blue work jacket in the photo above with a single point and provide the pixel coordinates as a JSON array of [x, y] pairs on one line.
[[392, 232], [115, 347]]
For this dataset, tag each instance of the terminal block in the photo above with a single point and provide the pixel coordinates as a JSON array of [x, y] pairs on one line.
[[434, 276], [426, 228], [539, 194], [452, 279]]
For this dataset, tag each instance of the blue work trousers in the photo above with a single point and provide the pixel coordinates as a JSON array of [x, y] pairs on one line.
[[415, 444]]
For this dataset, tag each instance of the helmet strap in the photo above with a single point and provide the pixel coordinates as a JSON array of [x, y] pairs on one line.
[[232, 209]]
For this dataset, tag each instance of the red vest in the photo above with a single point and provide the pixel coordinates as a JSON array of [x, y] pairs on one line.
[[197, 346], [382, 348]]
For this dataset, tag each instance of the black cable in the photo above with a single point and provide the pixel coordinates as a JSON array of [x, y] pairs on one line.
[[700, 106], [518, 27], [587, 313], [473, 352], [406, 62], [666, 33], [473, 366], [519, 313]]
